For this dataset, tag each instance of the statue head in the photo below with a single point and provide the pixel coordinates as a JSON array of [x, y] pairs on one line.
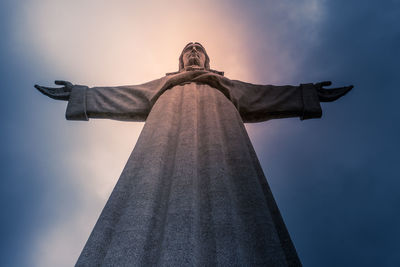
[[194, 56]]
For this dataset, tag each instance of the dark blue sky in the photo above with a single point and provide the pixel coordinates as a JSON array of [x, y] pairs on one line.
[[335, 179]]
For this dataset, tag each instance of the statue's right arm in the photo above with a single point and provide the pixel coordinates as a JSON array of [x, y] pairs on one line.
[[131, 103]]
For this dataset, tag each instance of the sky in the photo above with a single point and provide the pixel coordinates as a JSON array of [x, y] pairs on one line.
[[336, 179]]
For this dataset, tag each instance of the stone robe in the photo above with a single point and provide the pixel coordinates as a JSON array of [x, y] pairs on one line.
[[192, 192]]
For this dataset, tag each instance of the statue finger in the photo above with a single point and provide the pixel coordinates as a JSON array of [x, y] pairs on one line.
[[324, 83], [67, 85], [61, 82]]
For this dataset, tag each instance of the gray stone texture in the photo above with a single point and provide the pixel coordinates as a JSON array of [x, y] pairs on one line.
[[192, 192]]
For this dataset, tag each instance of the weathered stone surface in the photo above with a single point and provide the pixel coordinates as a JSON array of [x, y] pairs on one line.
[[192, 192]]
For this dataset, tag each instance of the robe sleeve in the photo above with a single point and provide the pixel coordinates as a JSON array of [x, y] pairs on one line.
[[257, 103], [127, 103]]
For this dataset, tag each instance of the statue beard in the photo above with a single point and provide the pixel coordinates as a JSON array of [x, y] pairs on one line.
[[194, 60]]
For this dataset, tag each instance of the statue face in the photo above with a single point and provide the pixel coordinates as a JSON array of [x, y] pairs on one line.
[[194, 55]]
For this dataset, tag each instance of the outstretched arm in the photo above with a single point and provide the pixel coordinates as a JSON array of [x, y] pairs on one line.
[[120, 102], [264, 102]]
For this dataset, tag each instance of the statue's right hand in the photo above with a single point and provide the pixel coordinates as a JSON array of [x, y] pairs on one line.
[[60, 93]]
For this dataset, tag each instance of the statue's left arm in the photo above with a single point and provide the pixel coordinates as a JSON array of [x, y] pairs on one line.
[[264, 102]]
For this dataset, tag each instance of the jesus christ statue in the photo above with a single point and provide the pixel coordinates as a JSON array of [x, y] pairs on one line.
[[192, 192]]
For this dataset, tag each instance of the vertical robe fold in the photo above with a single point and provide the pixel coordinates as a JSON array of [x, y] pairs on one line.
[[192, 192]]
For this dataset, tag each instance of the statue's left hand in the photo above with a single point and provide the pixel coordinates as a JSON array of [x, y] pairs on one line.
[[329, 95], [59, 93]]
